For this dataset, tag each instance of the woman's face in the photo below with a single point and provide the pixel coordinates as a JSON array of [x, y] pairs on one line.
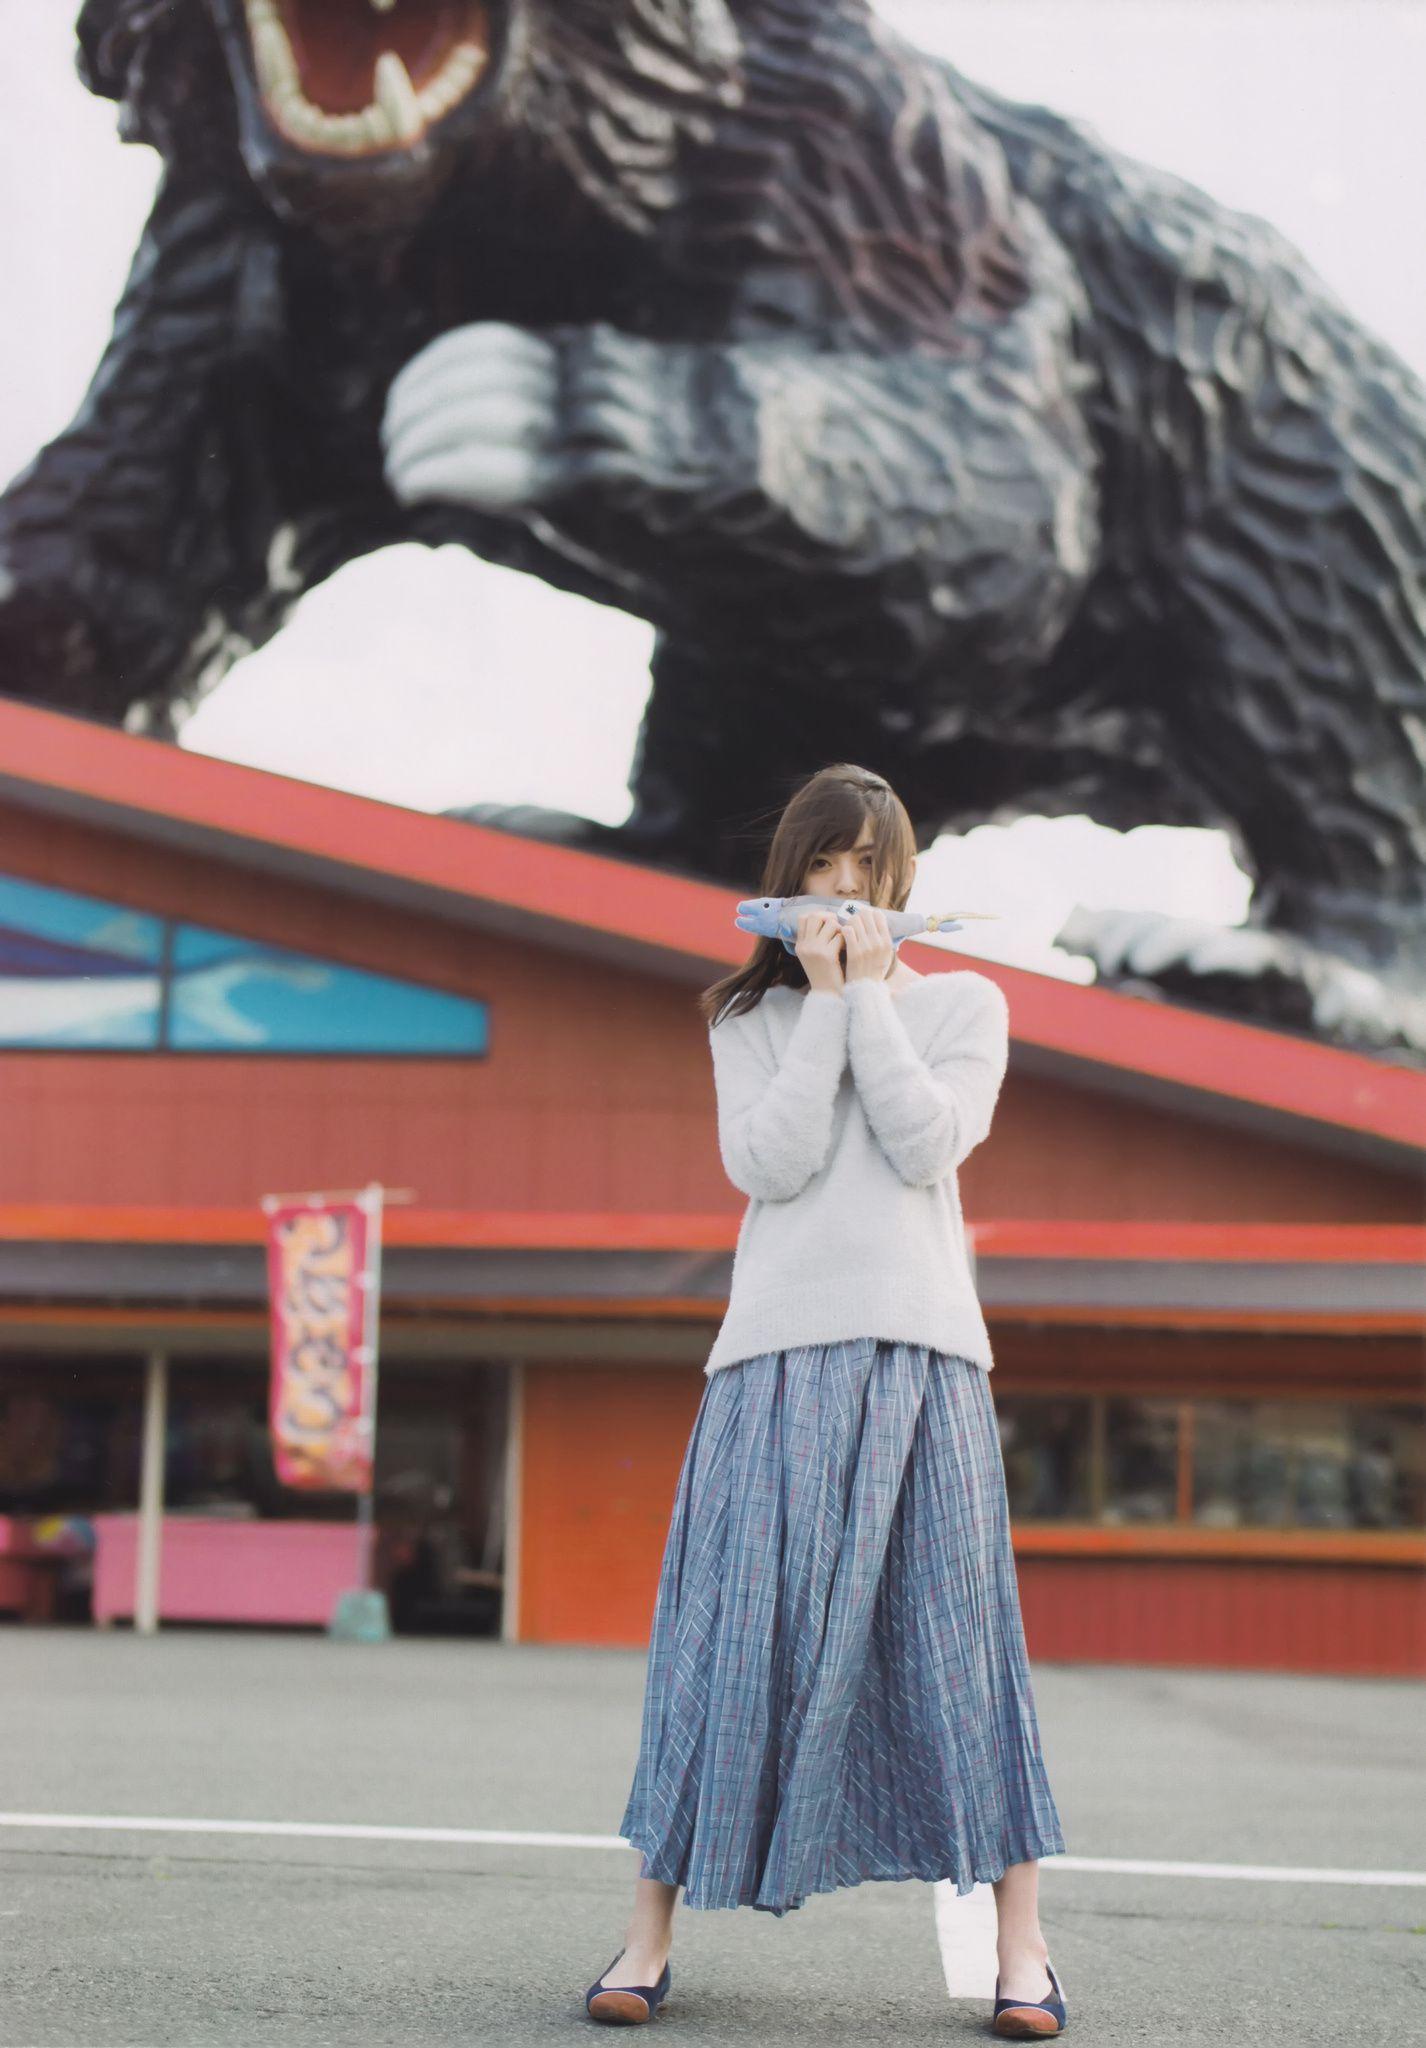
[[842, 874]]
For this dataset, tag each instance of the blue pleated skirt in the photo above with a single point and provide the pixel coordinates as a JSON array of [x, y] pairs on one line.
[[837, 1684]]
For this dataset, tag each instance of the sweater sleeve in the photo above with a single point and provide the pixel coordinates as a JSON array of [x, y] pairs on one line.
[[775, 1116], [928, 1115]]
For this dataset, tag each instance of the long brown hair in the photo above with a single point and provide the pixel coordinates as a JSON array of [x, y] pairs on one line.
[[825, 815]]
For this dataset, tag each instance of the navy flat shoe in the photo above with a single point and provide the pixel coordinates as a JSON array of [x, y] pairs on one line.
[[626, 2004], [1018, 2021]]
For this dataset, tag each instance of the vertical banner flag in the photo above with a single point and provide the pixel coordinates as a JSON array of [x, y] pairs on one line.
[[324, 1285]]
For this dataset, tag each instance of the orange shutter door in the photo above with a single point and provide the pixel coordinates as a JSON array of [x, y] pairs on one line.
[[602, 1451]]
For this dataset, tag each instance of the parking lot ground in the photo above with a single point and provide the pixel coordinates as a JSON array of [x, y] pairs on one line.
[[180, 1931]]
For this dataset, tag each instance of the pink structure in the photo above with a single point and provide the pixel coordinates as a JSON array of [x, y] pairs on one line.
[[223, 1569]]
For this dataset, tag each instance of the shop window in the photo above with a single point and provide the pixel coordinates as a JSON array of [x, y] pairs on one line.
[[1226, 1464], [1141, 1440], [217, 1460], [63, 1454], [1307, 1465], [76, 971], [1045, 1445]]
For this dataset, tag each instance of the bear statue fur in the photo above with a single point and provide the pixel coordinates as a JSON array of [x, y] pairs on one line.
[[926, 430]]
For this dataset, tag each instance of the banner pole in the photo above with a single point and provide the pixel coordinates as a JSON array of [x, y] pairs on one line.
[[371, 1201]]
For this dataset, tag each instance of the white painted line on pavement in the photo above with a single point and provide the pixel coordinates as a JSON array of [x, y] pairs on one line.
[[327, 1830], [357, 1831], [1259, 1873]]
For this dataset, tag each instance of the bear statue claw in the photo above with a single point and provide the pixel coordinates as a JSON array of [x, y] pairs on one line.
[[1271, 978]]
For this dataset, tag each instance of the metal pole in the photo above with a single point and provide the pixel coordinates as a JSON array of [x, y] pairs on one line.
[[364, 1538], [514, 1467], [146, 1564], [373, 1201]]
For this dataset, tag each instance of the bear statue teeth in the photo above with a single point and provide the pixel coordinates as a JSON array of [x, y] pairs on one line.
[[396, 97], [273, 58], [397, 116]]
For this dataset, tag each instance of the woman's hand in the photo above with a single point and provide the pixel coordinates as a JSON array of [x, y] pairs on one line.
[[870, 952], [819, 948]]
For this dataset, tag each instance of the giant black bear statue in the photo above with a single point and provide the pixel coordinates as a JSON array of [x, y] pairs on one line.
[[926, 430]]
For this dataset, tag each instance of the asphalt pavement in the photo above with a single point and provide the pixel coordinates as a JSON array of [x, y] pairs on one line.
[[1297, 1804]]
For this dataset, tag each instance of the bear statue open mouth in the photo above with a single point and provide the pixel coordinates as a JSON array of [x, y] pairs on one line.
[[365, 77]]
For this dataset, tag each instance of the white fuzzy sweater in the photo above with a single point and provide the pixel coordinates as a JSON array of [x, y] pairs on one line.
[[843, 1116]]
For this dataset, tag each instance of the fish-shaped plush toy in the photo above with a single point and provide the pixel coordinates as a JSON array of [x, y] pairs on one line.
[[775, 917]]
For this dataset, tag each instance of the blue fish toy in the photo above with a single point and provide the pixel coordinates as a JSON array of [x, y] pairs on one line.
[[775, 917]]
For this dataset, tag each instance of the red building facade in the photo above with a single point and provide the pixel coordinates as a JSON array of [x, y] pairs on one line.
[[1199, 1244]]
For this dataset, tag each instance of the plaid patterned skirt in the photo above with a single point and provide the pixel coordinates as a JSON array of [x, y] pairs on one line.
[[837, 1684]]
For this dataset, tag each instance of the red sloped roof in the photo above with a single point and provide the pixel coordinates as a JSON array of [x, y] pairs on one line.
[[649, 920]]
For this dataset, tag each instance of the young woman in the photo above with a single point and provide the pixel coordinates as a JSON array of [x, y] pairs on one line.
[[837, 1683]]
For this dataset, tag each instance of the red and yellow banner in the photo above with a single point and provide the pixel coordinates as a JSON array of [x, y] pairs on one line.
[[324, 1280]]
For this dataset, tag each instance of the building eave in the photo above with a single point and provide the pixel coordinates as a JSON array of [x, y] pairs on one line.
[[1365, 1276]]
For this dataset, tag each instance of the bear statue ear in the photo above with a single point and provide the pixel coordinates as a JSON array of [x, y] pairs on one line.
[[107, 32], [159, 59]]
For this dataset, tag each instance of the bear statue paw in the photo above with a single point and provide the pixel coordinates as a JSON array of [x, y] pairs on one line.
[[503, 420], [1276, 979]]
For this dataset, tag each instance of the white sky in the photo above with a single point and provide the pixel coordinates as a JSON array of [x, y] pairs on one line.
[[428, 678]]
